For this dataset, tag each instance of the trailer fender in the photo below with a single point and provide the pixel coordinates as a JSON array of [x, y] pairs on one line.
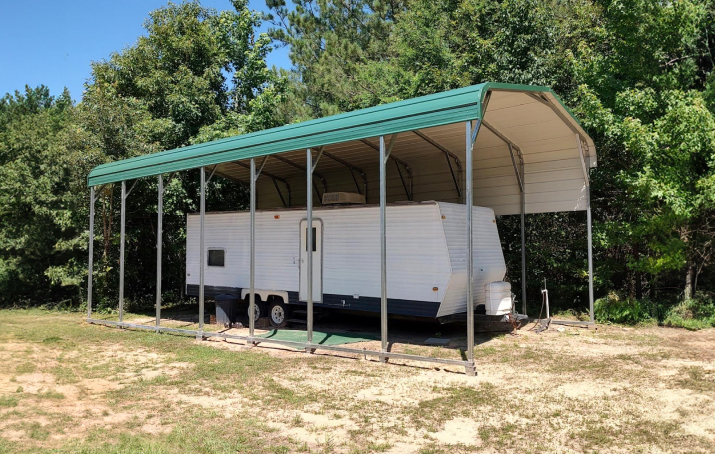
[[265, 294]]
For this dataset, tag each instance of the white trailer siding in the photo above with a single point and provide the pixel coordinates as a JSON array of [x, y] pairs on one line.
[[416, 257], [276, 249], [489, 264], [419, 256]]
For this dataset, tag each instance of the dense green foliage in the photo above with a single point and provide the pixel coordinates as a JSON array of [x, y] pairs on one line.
[[198, 75], [638, 74]]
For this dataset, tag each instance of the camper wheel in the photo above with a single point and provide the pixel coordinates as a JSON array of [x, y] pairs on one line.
[[278, 313], [259, 308]]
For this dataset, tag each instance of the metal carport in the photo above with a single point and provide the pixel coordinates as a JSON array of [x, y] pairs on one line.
[[514, 148]]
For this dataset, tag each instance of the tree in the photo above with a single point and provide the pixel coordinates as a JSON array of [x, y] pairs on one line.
[[36, 228], [341, 51], [197, 75], [638, 75]]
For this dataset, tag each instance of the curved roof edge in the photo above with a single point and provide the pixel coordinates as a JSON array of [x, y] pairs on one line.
[[437, 109]]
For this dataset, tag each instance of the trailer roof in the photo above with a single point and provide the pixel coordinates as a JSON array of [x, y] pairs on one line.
[[532, 118]]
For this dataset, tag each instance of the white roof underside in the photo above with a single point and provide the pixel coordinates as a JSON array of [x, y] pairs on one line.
[[554, 172]]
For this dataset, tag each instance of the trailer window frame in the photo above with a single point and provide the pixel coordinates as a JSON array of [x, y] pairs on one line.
[[223, 257]]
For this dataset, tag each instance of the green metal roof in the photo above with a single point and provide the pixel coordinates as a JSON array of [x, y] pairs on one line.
[[438, 109]]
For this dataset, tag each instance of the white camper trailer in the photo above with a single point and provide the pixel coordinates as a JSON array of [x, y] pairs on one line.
[[426, 258]]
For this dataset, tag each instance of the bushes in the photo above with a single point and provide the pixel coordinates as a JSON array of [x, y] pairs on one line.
[[617, 309], [694, 314]]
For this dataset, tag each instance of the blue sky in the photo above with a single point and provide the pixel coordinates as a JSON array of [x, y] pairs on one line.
[[53, 42]]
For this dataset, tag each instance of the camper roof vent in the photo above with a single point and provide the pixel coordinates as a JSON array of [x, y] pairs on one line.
[[338, 198]]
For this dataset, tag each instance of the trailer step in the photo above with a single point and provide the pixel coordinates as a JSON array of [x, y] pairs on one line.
[[297, 320]]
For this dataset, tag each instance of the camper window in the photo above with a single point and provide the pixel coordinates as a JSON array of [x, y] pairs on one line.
[[216, 257]]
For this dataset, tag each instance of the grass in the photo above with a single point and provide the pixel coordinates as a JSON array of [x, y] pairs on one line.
[[693, 314], [698, 379], [8, 401], [74, 387]]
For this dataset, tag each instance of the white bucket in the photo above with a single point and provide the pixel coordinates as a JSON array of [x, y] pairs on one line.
[[498, 298]]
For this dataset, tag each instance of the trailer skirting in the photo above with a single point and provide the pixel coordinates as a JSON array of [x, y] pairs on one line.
[[427, 309]]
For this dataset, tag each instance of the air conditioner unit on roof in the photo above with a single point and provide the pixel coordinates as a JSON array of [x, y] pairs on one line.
[[341, 198]]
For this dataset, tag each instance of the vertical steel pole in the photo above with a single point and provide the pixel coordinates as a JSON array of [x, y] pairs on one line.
[[468, 198], [202, 255], [309, 242], [252, 265], [523, 247], [383, 250], [90, 268], [121, 252], [159, 234], [590, 257]]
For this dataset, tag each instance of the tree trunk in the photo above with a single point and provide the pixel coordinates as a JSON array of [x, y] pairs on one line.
[[690, 281], [638, 277]]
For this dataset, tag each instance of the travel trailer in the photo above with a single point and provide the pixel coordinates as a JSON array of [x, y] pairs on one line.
[[426, 258]]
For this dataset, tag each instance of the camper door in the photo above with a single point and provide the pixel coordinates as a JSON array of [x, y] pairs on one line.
[[317, 232]]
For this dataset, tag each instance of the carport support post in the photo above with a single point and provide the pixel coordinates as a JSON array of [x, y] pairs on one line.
[[471, 137], [590, 257], [121, 251], [309, 245], [202, 255], [90, 270], [159, 233], [252, 266], [383, 251], [523, 247]]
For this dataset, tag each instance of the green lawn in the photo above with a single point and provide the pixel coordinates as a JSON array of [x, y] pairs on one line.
[[66, 386]]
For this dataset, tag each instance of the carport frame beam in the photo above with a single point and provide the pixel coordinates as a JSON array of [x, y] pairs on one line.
[[309, 169], [407, 186], [588, 227], [298, 345], [159, 234], [448, 154], [519, 170], [202, 247], [121, 249], [385, 152], [352, 169], [274, 178], [471, 138], [90, 268], [300, 167], [252, 278]]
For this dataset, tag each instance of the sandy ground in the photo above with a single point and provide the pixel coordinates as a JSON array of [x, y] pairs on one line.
[[614, 389]]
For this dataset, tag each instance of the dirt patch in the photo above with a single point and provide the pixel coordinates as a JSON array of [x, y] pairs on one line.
[[314, 430], [40, 406], [605, 390], [459, 431]]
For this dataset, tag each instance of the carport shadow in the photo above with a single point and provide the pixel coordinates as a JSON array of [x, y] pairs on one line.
[[176, 316], [404, 335]]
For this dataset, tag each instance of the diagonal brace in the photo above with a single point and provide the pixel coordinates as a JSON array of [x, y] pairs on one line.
[[513, 148], [317, 158], [450, 156], [99, 192], [270, 175], [131, 189], [406, 185], [353, 170], [302, 167], [581, 155]]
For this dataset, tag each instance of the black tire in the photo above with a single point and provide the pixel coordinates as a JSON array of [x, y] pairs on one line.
[[278, 313], [260, 309]]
